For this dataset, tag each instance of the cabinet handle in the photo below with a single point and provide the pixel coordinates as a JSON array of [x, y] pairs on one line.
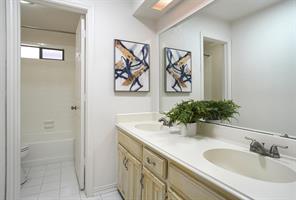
[[123, 161], [141, 181], [125, 164], [150, 162]]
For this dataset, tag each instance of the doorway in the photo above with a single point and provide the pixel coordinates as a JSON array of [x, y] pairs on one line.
[[52, 101], [215, 67]]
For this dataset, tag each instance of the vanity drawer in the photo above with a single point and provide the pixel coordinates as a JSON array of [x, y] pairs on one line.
[[189, 187], [131, 145], [154, 162]]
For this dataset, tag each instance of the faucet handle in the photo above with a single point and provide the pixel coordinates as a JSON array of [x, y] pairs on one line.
[[274, 152], [280, 146], [252, 139]]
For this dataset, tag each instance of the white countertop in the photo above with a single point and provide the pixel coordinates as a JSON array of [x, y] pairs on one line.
[[188, 151]]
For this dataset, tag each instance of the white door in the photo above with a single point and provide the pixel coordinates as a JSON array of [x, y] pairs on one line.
[[2, 100], [79, 106]]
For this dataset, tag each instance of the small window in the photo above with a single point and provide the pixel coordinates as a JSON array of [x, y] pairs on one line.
[[52, 54], [41, 53], [30, 52]]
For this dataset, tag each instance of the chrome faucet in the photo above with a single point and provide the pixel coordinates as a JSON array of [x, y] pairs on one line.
[[259, 148], [165, 122]]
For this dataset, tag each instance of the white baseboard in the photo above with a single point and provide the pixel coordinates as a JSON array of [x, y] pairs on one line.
[[105, 189], [45, 161]]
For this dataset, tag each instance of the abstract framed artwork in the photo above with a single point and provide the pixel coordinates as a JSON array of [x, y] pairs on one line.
[[178, 70], [131, 66]]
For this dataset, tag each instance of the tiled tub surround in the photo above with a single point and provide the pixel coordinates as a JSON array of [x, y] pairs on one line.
[[188, 152]]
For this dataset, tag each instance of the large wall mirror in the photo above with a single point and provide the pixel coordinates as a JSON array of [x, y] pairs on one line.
[[240, 50]]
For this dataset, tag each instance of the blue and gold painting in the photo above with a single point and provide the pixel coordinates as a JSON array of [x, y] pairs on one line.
[[131, 66], [178, 73]]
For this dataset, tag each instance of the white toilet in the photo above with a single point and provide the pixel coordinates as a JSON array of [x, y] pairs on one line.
[[24, 152]]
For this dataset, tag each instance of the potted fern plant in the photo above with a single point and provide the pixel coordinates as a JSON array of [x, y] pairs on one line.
[[186, 114]]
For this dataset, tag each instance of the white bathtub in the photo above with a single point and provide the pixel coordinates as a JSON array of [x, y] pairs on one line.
[[44, 152]]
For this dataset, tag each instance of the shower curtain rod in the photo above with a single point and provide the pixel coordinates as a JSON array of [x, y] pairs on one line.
[[44, 29]]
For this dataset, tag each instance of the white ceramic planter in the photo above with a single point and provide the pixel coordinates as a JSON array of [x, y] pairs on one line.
[[189, 129]]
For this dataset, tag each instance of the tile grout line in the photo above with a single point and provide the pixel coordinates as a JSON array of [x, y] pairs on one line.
[[60, 181], [42, 182]]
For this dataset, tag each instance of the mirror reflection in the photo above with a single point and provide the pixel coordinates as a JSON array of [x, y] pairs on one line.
[[240, 50]]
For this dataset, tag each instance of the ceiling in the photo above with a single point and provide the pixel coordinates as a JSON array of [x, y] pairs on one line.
[[231, 10], [45, 17], [145, 10]]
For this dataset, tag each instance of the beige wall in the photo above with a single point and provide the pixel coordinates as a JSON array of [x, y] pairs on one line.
[[214, 72], [114, 20], [47, 89]]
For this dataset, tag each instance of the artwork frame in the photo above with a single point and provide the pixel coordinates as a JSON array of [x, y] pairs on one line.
[[171, 71], [124, 75]]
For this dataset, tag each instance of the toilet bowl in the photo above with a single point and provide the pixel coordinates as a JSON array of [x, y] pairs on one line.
[[24, 153]]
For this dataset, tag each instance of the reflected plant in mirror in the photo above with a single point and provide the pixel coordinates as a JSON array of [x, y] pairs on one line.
[[223, 110], [244, 51]]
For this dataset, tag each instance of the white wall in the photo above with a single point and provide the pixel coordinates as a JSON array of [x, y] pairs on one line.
[[264, 68], [186, 36], [47, 89], [113, 19], [2, 99]]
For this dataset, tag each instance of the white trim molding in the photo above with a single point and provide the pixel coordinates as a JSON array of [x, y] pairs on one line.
[[13, 88], [2, 100], [13, 99]]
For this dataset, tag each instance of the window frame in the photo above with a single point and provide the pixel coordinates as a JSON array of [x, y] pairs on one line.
[[46, 48]]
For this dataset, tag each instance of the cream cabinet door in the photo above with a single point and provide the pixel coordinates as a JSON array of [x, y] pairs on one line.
[[153, 188], [134, 169], [122, 173], [190, 187], [173, 195]]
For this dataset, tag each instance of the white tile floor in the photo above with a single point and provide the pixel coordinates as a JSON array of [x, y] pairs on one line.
[[57, 182]]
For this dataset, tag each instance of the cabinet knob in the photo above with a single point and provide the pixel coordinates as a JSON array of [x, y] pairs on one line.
[[74, 107], [150, 162]]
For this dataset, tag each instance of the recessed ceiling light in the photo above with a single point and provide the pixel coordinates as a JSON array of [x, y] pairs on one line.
[[161, 4], [26, 2]]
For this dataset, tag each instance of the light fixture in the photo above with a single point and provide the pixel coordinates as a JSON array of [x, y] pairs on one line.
[[161, 4], [26, 2]]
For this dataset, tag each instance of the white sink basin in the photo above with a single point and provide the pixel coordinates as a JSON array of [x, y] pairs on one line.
[[250, 165], [152, 127]]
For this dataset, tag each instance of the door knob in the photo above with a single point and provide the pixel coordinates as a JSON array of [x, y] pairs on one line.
[[74, 107]]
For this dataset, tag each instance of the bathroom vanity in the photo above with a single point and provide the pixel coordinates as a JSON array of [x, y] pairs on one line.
[[156, 164], [229, 50]]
